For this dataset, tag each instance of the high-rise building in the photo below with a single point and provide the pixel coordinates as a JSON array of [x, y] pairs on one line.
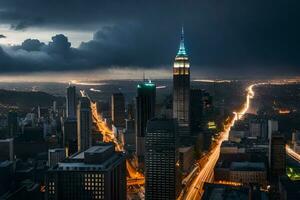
[[118, 110], [129, 136], [71, 102], [70, 136], [254, 128], [84, 124], [258, 128], [272, 127], [130, 111], [12, 124], [96, 173], [7, 149], [145, 110], [162, 181], [55, 155], [181, 89], [197, 105], [277, 155]]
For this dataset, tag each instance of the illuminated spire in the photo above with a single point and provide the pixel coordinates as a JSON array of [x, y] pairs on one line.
[[181, 51]]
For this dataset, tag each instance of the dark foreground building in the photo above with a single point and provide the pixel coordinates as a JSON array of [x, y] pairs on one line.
[[160, 160], [97, 173]]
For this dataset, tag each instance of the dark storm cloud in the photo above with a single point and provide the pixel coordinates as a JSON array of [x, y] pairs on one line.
[[221, 36], [32, 45]]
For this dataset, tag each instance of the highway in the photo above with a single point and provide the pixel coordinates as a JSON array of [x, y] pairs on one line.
[[134, 177], [292, 153], [195, 189]]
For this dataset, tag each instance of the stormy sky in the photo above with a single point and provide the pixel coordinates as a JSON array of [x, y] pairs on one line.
[[230, 38]]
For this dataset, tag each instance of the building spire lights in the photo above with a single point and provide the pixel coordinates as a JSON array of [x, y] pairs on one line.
[[181, 51]]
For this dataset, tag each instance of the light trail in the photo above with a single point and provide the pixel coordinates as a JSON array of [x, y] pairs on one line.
[[195, 190], [134, 177], [292, 153]]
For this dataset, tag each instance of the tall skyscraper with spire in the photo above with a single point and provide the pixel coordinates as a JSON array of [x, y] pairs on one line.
[[181, 89]]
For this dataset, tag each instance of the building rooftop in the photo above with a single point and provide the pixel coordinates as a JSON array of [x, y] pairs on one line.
[[225, 192], [102, 157], [185, 149], [146, 84], [92, 150], [247, 166], [56, 150], [228, 144]]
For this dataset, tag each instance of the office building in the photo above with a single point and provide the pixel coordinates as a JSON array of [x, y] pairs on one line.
[[214, 191], [96, 173], [71, 102], [272, 127], [248, 173], [70, 136], [7, 149], [131, 111], [181, 89], [186, 158], [55, 156], [84, 124], [118, 110], [277, 155], [197, 104], [161, 160], [129, 136], [254, 129], [12, 124], [145, 110]]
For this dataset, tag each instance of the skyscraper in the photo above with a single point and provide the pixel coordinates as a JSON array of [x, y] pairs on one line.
[[71, 102], [160, 160], [84, 124], [145, 110], [196, 113], [97, 173], [277, 155], [12, 123], [272, 127], [70, 136], [181, 89], [118, 110]]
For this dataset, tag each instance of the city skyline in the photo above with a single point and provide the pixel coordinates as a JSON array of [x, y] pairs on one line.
[[124, 116]]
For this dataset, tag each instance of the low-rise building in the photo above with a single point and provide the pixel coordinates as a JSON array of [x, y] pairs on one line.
[[248, 173], [96, 173]]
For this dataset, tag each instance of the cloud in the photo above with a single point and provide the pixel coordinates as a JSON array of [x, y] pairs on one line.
[[32, 45], [2, 36], [225, 37]]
